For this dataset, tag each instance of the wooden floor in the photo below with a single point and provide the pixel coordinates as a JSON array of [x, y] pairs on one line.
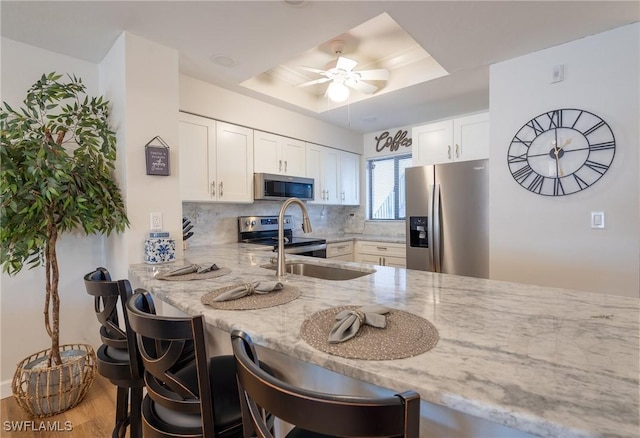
[[93, 417]]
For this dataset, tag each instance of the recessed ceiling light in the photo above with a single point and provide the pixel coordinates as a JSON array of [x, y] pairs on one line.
[[369, 119], [224, 60], [295, 3]]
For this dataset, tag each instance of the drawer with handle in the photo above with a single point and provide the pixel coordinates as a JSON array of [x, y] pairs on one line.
[[339, 249]]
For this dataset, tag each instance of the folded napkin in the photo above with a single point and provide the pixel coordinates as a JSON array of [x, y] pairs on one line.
[[190, 269], [243, 290], [350, 321]]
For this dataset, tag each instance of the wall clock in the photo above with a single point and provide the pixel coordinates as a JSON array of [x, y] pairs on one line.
[[561, 152]]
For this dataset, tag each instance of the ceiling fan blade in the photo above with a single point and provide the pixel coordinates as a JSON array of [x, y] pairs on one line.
[[313, 70], [346, 64], [317, 81], [363, 87], [380, 74]]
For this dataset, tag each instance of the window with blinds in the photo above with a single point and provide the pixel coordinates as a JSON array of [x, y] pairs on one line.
[[386, 185]]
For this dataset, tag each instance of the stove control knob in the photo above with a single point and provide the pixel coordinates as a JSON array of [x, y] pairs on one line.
[[253, 223], [286, 221]]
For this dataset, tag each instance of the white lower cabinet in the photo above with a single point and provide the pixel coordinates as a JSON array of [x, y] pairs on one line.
[[340, 251], [381, 253]]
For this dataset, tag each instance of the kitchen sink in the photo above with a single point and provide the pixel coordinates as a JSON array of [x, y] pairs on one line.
[[322, 271]]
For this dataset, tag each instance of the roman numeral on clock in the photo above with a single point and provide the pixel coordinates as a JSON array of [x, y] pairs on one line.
[[555, 119], [597, 167], [536, 184], [517, 158], [536, 126], [595, 127], [557, 187], [602, 146], [523, 173]]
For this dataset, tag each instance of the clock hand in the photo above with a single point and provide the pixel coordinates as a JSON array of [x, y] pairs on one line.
[[556, 151], [566, 142]]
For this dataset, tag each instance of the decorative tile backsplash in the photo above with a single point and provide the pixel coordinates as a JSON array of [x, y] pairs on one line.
[[218, 223]]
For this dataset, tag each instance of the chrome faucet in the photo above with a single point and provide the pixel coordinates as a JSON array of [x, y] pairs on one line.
[[306, 227]]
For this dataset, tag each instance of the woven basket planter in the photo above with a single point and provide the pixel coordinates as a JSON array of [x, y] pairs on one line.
[[44, 391]]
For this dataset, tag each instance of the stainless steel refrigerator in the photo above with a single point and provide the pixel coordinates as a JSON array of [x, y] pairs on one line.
[[447, 218]]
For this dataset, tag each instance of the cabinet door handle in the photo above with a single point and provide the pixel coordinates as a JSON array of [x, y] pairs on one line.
[[457, 151], [220, 190], [381, 248], [343, 196], [285, 166], [279, 165], [213, 188], [449, 151], [384, 261]]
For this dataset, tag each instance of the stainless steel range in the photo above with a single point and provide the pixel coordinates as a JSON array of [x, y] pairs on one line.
[[263, 230]]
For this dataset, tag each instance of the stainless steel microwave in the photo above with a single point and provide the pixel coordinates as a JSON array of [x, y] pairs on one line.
[[268, 186]]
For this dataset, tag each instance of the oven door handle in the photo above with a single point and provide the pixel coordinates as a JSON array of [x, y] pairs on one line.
[[304, 248]]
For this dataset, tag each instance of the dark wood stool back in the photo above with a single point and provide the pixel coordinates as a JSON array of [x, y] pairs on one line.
[[316, 414], [188, 393], [118, 358]]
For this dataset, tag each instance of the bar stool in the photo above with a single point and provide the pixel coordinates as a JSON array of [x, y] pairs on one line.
[[315, 414], [117, 358], [189, 394]]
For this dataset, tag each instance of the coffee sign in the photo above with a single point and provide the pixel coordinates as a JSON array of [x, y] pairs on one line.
[[394, 143]]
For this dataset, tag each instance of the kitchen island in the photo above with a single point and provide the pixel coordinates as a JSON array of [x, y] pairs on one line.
[[530, 359]]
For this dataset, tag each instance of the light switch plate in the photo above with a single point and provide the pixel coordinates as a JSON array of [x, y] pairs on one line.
[[557, 74], [597, 219]]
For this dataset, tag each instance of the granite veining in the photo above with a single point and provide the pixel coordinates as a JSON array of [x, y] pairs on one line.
[[546, 361]]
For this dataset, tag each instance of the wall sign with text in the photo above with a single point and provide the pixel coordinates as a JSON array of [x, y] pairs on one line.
[[157, 158], [394, 143]]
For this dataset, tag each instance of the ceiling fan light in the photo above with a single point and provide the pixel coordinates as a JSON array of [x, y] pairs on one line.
[[337, 91]]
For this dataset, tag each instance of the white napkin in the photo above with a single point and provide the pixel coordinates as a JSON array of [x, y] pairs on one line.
[[257, 287], [350, 321], [190, 269]]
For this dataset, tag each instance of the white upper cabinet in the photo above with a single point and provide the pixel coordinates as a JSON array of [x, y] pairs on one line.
[[336, 174], [461, 139], [216, 160], [278, 154], [349, 178]]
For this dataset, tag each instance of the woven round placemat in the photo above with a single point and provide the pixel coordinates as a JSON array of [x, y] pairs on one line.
[[405, 335], [195, 276], [251, 302]]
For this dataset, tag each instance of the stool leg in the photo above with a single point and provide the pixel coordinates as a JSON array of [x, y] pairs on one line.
[[122, 411], [136, 413]]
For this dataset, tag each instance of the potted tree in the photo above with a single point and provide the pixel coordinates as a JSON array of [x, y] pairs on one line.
[[57, 159]]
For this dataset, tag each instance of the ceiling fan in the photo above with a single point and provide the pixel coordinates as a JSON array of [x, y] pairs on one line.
[[342, 76]]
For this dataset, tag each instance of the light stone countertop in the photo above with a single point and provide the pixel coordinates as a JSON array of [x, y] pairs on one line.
[[546, 361]]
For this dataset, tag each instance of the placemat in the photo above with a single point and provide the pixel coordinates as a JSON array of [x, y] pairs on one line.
[[405, 335], [251, 302], [195, 276]]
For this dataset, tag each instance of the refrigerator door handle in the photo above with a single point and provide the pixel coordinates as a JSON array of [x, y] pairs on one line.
[[432, 266], [437, 245]]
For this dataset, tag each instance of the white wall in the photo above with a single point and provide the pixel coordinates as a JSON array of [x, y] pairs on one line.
[[22, 296], [548, 240], [140, 78], [208, 100]]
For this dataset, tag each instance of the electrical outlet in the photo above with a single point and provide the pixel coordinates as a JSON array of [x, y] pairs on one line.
[[155, 221]]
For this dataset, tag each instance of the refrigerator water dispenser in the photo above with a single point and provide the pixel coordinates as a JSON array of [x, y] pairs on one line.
[[418, 236]]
